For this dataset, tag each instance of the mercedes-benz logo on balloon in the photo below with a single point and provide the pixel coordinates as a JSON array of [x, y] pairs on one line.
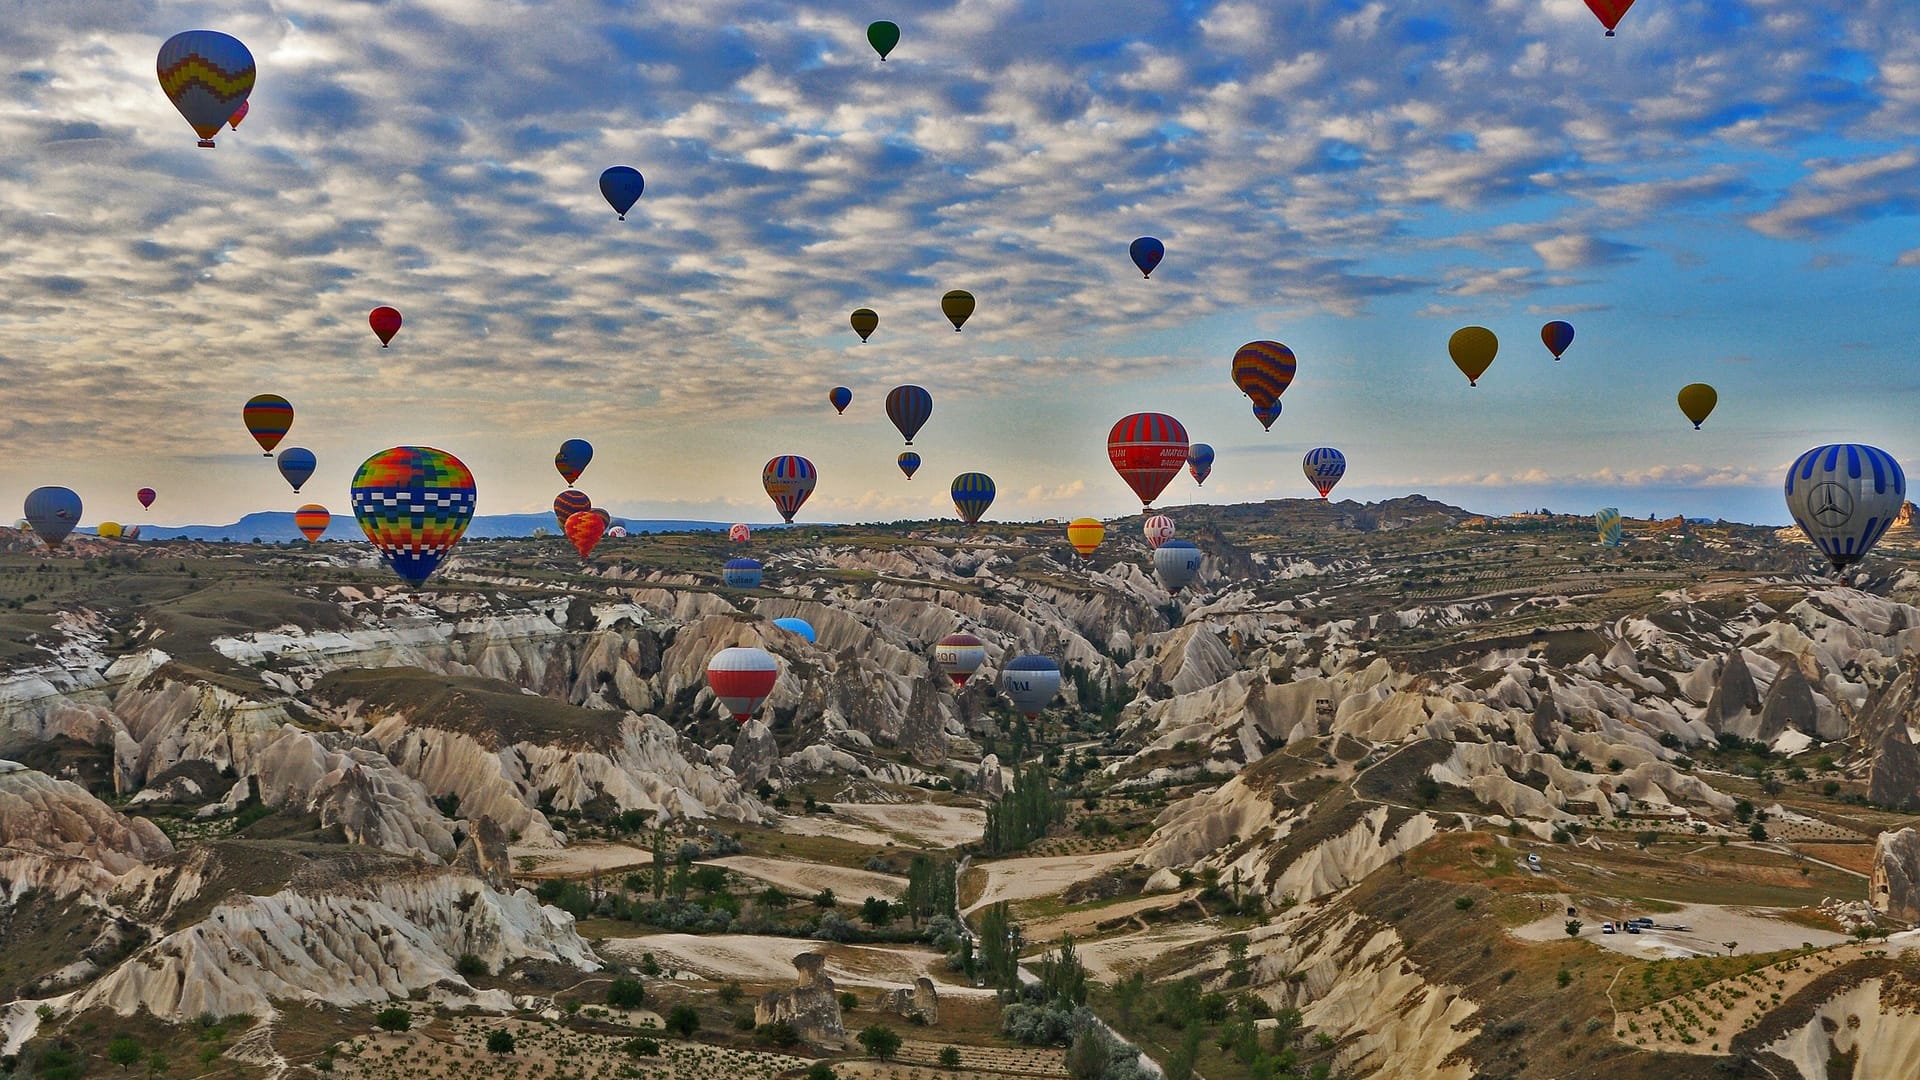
[[1832, 505]]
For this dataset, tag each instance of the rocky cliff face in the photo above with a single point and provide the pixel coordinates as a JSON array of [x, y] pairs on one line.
[[59, 822], [1895, 885]]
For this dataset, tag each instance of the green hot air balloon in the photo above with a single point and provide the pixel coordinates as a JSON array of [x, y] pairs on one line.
[[883, 36]]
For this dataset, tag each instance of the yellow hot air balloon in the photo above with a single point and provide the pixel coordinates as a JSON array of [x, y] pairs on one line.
[[1697, 401], [108, 530], [957, 306], [1085, 535], [1473, 348]]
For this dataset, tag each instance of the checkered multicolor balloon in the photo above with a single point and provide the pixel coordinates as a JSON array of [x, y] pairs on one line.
[[414, 502]]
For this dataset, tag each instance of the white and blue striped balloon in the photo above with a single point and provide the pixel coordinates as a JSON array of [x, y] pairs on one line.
[[1324, 467], [1844, 496]]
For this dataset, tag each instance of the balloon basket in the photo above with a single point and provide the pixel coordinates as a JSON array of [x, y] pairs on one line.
[[207, 143]]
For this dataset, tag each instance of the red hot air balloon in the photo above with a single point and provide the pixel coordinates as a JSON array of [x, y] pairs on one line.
[[1609, 12], [740, 533], [1148, 450], [584, 530], [146, 497], [239, 114], [385, 322], [742, 678], [312, 521], [568, 503]]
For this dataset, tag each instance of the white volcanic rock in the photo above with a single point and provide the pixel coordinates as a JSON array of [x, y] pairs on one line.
[[42, 816], [1882, 1034], [167, 720], [356, 788]]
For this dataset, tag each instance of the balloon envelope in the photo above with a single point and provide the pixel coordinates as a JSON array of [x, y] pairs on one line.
[[1844, 496], [865, 321], [52, 512], [239, 114], [296, 465], [909, 463], [1609, 12], [1263, 370], [958, 656], [741, 573], [741, 678], [1147, 450], [1085, 534], [414, 503], [789, 479], [957, 306], [584, 530], [1324, 467], [972, 494], [909, 406], [385, 322], [312, 521], [1473, 349], [107, 530], [1031, 681], [1176, 563], [1266, 414], [1697, 401], [572, 459], [840, 397], [797, 626], [268, 417], [1607, 522], [1158, 529], [1146, 253], [883, 36], [1557, 336], [1200, 461], [740, 532], [568, 503], [146, 497], [207, 75], [621, 185]]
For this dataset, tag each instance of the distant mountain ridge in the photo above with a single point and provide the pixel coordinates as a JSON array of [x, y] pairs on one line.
[[275, 526]]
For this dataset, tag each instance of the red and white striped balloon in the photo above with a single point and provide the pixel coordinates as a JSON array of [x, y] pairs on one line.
[[742, 678]]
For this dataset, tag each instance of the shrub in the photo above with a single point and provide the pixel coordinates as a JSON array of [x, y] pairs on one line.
[[849, 1001], [1564, 978], [730, 994], [641, 1047], [1463, 903], [625, 993], [393, 1018], [949, 1057], [124, 1050], [500, 1041], [683, 1021], [779, 1033], [822, 1071], [471, 967], [881, 1041]]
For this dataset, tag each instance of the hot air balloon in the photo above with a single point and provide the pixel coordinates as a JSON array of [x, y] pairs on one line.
[[840, 397], [1200, 461], [621, 186], [797, 626], [957, 305], [1473, 349], [1609, 12], [207, 75], [1031, 681], [385, 322], [1263, 370], [606, 519], [146, 497], [1085, 534], [1147, 253], [865, 321], [618, 532], [958, 656], [568, 503], [1176, 563], [1557, 335], [740, 532], [1158, 529], [312, 521], [1844, 496], [909, 406], [909, 463], [741, 574], [268, 417], [107, 530], [413, 502], [789, 479], [239, 114], [1266, 414], [572, 459], [129, 532], [741, 678], [1324, 467], [1612, 529], [1697, 401], [584, 531], [972, 494], [52, 512], [1147, 450], [296, 465], [883, 36]]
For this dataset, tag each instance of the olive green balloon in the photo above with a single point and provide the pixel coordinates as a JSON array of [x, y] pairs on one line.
[[883, 36]]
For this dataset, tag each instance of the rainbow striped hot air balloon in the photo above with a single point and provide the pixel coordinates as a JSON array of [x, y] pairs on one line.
[[1148, 450], [268, 418], [789, 479], [585, 529], [312, 521], [1263, 370], [414, 503], [908, 407], [972, 494], [207, 75], [568, 503]]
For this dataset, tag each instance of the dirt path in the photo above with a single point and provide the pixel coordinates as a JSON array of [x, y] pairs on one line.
[[769, 960], [1751, 929], [805, 879], [1111, 959], [1027, 879]]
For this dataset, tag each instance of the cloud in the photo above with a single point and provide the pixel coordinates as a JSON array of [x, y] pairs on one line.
[[1681, 476], [1837, 193], [1579, 251]]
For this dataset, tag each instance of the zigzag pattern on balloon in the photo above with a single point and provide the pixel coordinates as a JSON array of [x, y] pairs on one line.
[[197, 71]]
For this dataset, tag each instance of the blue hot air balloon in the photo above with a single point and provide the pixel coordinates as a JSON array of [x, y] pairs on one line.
[[972, 494], [909, 463], [1324, 466], [1557, 335], [1147, 253], [1844, 496], [1176, 563], [797, 626], [908, 407], [52, 512], [1612, 528], [622, 185], [1200, 461], [1266, 414], [296, 465], [741, 573], [572, 459], [1031, 681], [841, 397]]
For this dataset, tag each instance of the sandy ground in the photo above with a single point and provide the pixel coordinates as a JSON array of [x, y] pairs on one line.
[[920, 824], [1025, 879], [1752, 929], [831, 825], [748, 958], [1081, 922], [579, 860], [1111, 959], [805, 879]]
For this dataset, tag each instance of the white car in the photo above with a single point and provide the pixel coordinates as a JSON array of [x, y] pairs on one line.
[[1606, 928]]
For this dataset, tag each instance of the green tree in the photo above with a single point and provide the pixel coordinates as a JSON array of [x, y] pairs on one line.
[[393, 1018], [1180, 1063], [881, 1041], [774, 898], [999, 946], [471, 967], [1127, 994], [949, 1057], [1063, 976], [820, 1070], [1573, 927], [876, 911], [500, 1041], [659, 863], [625, 993], [641, 1047], [825, 899], [1027, 812], [1757, 831], [124, 1050], [683, 1021], [849, 1001]]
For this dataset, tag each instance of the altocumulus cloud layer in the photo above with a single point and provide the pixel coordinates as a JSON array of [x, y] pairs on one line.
[[1324, 171]]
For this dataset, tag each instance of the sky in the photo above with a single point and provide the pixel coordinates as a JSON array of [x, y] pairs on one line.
[[1724, 193]]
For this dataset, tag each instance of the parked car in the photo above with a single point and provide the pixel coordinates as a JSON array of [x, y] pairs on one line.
[[1633, 928], [1606, 928]]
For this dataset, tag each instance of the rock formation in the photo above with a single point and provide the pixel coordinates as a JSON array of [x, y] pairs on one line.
[[988, 780], [1895, 779], [1895, 888], [59, 820], [811, 1008], [484, 855], [919, 1003]]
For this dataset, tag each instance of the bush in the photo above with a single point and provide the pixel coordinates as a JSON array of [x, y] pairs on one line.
[[881, 1041], [949, 1057], [779, 1033], [393, 1018], [730, 994], [641, 1047], [1564, 978], [822, 1071], [124, 1050], [683, 1021], [500, 1041], [625, 993], [849, 1001], [471, 967], [1463, 903]]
